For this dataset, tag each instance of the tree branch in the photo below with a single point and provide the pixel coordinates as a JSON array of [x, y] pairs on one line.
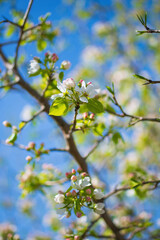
[[125, 188]]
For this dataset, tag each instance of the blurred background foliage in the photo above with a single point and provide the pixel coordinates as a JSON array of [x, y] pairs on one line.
[[99, 38]]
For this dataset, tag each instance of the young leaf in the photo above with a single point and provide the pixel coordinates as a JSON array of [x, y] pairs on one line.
[[61, 75], [116, 137], [59, 107], [12, 138], [95, 106], [110, 89]]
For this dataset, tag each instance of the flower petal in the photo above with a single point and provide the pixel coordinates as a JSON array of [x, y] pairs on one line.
[[53, 97], [61, 87], [83, 99]]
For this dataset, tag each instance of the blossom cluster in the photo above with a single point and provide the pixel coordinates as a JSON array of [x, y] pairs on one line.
[[51, 59], [79, 195], [76, 93]]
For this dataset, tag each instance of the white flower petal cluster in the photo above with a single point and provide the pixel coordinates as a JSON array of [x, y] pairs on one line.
[[59, 198], [98, 194], [65, 65], [80, 93], [33, 67], [81, 183], [99, 208], [87, 90]]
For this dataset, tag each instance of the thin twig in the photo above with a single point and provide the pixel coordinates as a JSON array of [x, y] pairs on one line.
[[89, 227], [22, 31], [101, 236], [58, 149], [132, 117], [96, 145], [9, 21], [136, 231], [32, 28], [75, 118], [33, 117], [125, 188], [9, 84]]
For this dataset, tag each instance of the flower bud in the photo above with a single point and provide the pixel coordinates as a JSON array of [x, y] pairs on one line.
[[68, 175], [14, 128], [74, 193], [78, 214], [31, 145], [42, 145], [65, 65], [73, 171], [73, 178], [28, 158], [88, 199], [8, 142], [68, 215], [54, 57], [47, 54], [88, 191], [84, 174], [7, 124], [69, 83], [89, 83], [76, 237], [85, 115], [68, 194], [79, 170], [92, 116]]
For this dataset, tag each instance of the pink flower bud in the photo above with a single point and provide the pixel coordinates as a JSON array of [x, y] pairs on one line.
[[54, 57], [28, 158], [78, 214], [8, 142], [79, 170], [88, 191], [73, 171], [42, 144], [76, 237], [46, 54], [14, 128], [68, 194], [31, 145], [92, 116], [74, 193], [88, 199], [73, 178], [85, 115], [89, 83], [68, 175], [84, 174], [7, 124]]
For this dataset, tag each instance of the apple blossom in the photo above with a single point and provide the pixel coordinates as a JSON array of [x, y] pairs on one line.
[[33, 67], [59, 198], [65, 65], [86, 90], [98, 194], [81, 183], [99, 208]]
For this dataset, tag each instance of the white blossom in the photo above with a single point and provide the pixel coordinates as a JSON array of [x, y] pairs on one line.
[[33, 67], [59, 198], [99, 208], [81, 183], [98, 194], [87, 90], [69, 83], [60, 209], [65, 65]]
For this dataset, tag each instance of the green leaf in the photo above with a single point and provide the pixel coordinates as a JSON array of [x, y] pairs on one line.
[[59, 107], [35, 74], [61, 75], [139, 76], [95, 106], [21, 125], [110, 109], [116, 137], [41, 45], [10, 31], [110, 89], [12, 138]]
